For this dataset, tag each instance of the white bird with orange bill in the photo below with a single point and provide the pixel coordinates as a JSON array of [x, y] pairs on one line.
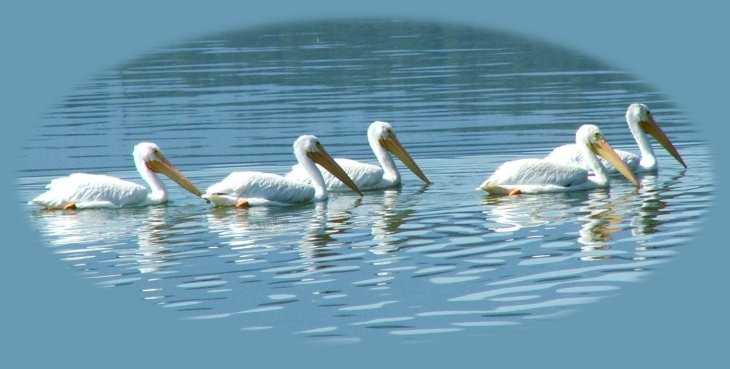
[[641, 122], [527, 176], [383, 141], [244, 189], [84, 191]]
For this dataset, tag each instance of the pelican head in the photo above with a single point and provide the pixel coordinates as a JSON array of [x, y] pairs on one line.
[[148, 155], [590, 136], [383, 133], [639, 116], [310, 146]]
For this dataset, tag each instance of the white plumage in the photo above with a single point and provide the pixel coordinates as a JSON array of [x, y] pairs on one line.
[[259, 188], [91, 190], [243, 189], [640, 122], [538, 172], [570, 155], [382, 140], [540, 175], [82, 190]]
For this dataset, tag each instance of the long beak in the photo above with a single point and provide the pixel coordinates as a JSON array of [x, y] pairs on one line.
[[325, 160], [161, 165], [652, 128], [607, 152], [393, 145]]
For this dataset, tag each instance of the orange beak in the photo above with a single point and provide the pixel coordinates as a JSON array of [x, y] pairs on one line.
[[160, 164], [325, 160], [605, 150], [651, 127], [393, 145]]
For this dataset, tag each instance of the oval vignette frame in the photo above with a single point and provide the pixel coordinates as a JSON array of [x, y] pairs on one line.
[[652, 282]]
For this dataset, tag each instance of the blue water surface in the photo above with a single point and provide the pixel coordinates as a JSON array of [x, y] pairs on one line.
[[419, 262]]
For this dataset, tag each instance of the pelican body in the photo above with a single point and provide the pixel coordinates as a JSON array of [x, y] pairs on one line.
[[641, 122], [541, 176], [383, 141], [82, 190], [244, 189]]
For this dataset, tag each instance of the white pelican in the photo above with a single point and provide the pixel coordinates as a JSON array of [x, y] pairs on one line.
[[367, 176], [540, 175], [641, 122], [244, 189], [81, 190]]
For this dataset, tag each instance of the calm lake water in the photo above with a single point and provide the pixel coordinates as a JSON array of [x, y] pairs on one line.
[[415, 263]]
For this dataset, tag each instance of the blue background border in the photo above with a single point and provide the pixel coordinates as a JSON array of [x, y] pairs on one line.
[[51, 317]]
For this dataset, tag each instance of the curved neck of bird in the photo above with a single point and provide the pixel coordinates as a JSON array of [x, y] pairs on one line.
[[320, 189], [158, 193], [600, 175], [390, 171], [648, 160]]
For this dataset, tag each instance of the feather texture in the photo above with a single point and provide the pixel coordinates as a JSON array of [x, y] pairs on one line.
[[570, 155], [91, 190], [540, 175], [367, 176], [244, 189], [81, 190], [259, 188], [383, 142], [640, 122], [537, 172]]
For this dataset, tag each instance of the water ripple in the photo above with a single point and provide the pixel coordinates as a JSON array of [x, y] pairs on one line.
[[413, 262]]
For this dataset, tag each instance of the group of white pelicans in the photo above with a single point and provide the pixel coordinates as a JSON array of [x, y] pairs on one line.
[[574, 167]]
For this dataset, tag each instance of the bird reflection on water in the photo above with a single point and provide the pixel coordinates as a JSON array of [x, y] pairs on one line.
[[408, 262], [536, 256]]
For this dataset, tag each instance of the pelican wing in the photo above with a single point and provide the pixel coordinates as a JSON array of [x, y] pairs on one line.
[[298, 173], [570, 155], [365, 176], [91, 190], [537, 172], [258, 187], [630, 159]]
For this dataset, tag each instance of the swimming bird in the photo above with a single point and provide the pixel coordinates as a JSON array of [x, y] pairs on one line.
[[244, 189], [382, 140], [540, 175], [640, 121], [82, 190]]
